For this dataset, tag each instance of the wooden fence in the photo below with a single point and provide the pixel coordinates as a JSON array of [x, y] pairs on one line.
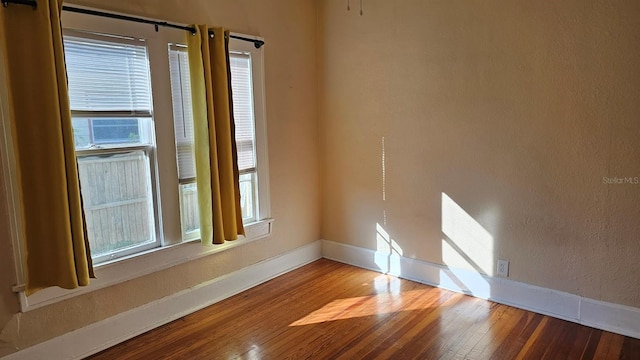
[[117, 200]]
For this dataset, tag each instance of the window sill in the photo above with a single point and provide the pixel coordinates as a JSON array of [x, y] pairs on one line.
[[144, 263]]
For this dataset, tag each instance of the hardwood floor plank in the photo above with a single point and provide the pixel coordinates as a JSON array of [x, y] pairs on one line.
[[453, 329], [576, 342], [609, 347], [364, 342], [285, 308], [560, 344], [592, 344], [354, 321], [516, 340], [496, 311], [548, 341], [630, 349], [454, 320], [395, 337], [498, 331], [302, 328], [328, 310], [462, 342]]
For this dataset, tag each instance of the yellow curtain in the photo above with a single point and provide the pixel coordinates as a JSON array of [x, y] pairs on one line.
[[217, 176], [57, 252]]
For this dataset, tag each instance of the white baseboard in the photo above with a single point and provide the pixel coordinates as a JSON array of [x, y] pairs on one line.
[[106, 333], [611, 317], [615, 318]]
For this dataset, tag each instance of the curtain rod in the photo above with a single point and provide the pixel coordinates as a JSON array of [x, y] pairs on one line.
[[257, 43]]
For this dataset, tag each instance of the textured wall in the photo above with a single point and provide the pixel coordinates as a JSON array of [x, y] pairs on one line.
[[500, 119], [289, 28], [508, 113], [8, 300]]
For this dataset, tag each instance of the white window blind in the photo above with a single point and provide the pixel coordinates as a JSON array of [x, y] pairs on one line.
[[182, 112], [108, 76], [242, 92], [242, 89]]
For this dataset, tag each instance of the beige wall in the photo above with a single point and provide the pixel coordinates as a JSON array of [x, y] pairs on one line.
[[515, 110], [289, 29]]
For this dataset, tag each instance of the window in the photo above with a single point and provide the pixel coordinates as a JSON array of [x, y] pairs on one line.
[[132, 173], [110, 98], [183, 128], [247, 97], [242, 89], [133, 130]]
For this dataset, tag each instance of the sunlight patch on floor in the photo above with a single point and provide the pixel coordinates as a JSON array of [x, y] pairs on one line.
[[368, 306]]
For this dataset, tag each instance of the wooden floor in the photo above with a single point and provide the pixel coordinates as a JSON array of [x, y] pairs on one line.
[[328, 310]]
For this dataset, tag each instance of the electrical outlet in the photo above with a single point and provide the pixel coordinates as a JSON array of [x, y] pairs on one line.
[[503, 268]]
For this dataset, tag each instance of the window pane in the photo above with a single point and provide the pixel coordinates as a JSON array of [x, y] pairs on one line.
[[247, 196], [189, 208], [182, 112], [114, 131], [110, 131], [242, 88], [82, 132], [116, 196], [189, 203], [107, 75]]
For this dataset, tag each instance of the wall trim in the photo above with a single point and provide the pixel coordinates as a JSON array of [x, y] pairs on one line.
[[143, 263], [619, 319], [116, 329]]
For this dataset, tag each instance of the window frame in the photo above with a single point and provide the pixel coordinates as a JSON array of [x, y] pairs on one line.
[[252, 173], [173, 250], [260, 122], [185, 141], [260, 176], [149, 148]]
